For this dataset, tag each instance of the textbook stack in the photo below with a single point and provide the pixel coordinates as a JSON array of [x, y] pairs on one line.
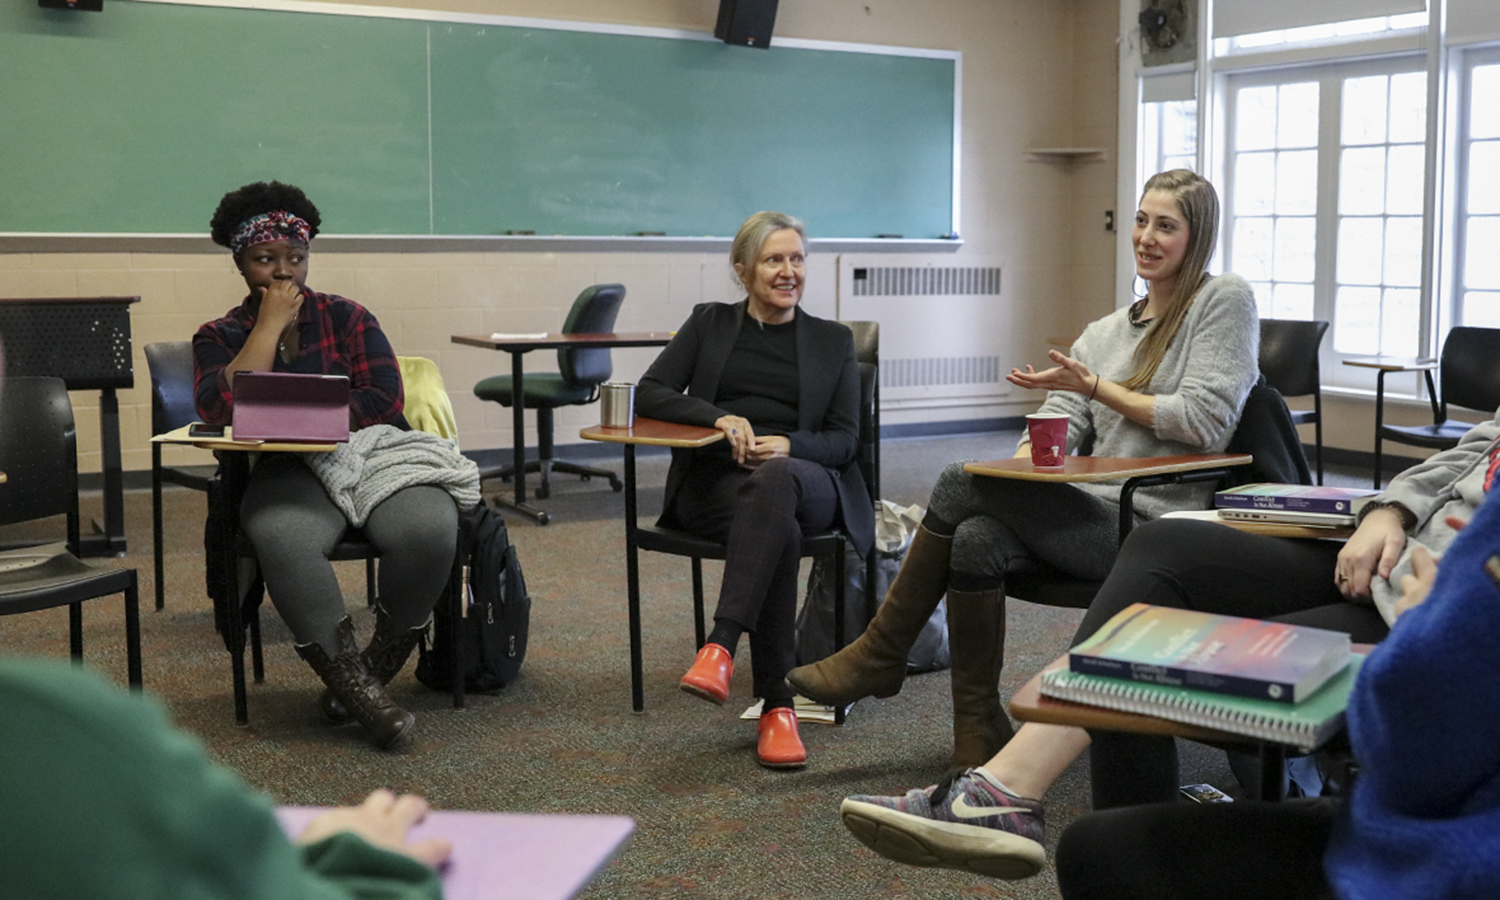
[[1293, 503], [1267, 680]]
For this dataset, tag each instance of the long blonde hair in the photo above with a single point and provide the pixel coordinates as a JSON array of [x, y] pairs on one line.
[[1198, 202]]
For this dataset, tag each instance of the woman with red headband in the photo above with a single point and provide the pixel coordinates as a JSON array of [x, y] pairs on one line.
[[288, 515]]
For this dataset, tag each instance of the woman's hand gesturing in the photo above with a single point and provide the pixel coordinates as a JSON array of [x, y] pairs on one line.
[[1068, 375]]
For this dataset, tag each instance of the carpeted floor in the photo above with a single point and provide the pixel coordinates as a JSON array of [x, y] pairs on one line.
[[711, 823]]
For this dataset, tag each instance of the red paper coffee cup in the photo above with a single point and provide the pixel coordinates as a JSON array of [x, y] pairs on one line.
[[1049, 438]]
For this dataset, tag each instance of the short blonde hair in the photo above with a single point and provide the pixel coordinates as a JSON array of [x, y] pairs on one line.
[[745, 251]]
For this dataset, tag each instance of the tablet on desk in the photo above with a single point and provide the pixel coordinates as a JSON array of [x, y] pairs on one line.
[[291, 407]]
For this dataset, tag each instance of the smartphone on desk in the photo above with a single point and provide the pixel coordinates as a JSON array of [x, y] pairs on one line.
[[205, 430]]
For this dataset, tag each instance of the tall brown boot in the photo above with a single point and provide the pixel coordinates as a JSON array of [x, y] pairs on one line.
[[354, 687], [874, 664], [388, 652], [976, 644]]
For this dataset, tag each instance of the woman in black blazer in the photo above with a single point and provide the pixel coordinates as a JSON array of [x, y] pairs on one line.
[[783, 386]]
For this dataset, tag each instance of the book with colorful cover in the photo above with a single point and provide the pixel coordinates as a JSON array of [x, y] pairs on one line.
[[1301, 498], [1274, 661], [1304, 725]]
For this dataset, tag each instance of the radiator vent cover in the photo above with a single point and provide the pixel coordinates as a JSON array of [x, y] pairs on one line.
[[928, 281], [942, 370]]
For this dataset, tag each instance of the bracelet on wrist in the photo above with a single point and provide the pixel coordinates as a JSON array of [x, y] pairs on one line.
[[1407, 517], [1095, 389]]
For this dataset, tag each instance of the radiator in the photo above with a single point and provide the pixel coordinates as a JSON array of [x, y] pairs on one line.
[[945, 332]]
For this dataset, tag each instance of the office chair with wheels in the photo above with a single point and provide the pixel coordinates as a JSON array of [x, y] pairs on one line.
[[580, 372], [834, 543], [39, 453], [1470, 372], [1289, 361]]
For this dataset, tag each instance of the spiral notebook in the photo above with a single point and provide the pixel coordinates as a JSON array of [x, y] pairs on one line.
[[1303, 725]]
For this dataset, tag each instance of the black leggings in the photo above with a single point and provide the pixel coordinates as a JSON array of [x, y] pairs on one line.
[[761, 514], [1199, 851], [1213, 568]]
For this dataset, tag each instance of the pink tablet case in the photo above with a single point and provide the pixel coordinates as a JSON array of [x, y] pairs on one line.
[[287, 406]]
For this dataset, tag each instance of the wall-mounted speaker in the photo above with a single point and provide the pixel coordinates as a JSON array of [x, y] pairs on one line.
[[88, 5], [747, 23]]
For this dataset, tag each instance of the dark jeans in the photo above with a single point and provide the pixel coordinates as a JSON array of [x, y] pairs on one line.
[[1211, 568], [761, 514], [1199, 851]]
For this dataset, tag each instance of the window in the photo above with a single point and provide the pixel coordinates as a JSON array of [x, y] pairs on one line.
[[1324, 171], [1477, 290], [1169, 138]]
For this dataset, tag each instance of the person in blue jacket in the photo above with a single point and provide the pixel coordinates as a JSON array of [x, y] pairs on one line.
[[1422, 819]]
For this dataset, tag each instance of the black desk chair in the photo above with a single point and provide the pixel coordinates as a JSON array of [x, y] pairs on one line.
[[1289, 361], [1265, 432], [171, 367], [1470, 371], [237, 606], [173, 406], [580, 372], [829, 543], [39, 449]]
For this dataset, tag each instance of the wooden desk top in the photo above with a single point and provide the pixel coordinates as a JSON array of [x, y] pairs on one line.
[[1028, 705], [603, 339], [1105, 468], [1393, 363], [654, 433], [227, 442]]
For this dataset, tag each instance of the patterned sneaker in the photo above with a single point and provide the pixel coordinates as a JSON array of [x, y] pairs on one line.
[[966, 821]]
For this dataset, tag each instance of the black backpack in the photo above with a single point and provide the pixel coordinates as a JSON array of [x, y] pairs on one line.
[[493, 633]]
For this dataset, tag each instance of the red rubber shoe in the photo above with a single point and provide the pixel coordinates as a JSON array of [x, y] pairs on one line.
[[710, 674], [779, 746]]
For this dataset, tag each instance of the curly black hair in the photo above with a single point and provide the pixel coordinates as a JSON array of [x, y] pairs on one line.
[[254, 199]]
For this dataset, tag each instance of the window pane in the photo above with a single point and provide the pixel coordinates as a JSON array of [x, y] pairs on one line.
[[1297, 115], [1179, 128], [1404, 178], [1297, 183], [1293, 301], [1484, 177], [1402, 322], [1409, 108], [1356, 321], [1362, 181], [1252, 248], [1255, 119], [1294, 259], [1481, 310], [1360, 251], [1262, 290], [1484, 112], [1364, 110], [1403, 251], [1482, 253], [1254, 183]]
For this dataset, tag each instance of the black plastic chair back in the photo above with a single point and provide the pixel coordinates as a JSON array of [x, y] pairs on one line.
[[38, 453], [172, 402], [1289, 355], [867, 351], [593, 313], [1471, 369]]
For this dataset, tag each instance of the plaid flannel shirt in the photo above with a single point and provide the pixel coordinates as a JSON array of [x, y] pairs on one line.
[[338, 337]]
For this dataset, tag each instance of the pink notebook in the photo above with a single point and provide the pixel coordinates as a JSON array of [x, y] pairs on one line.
[[510, 856], [287, 406]]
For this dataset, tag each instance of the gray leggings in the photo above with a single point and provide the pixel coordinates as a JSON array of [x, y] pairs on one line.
[[1002, 525], [294, 526]]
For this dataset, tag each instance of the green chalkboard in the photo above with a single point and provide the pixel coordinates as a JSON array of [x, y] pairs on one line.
[[136, 120]]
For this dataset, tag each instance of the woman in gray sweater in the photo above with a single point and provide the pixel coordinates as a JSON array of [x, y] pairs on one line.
[[1167, 375]]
